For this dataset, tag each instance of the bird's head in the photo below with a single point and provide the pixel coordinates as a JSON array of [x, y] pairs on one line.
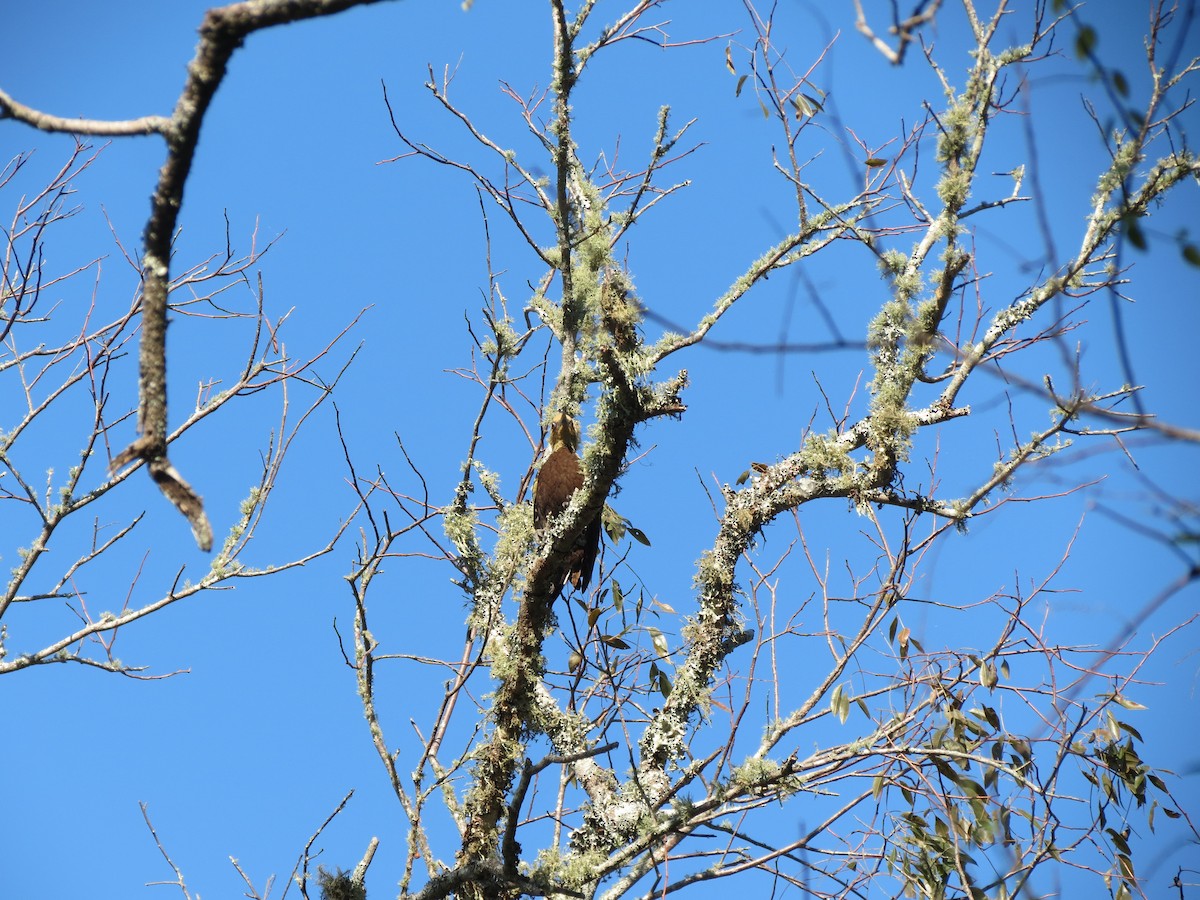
[[564, 433]]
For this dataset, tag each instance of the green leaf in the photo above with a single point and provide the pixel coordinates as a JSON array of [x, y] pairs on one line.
[[1134, 232], [1126, 702], [944, 768], [1126, 865], [1120, 83], [1129, 728], [992, 718], [839, 703], [614, 641], [1085, 41], [875, 162], [639, 536], [987, 675], [971, 788], [806, 106], [659, 640], [664, 685], [614, 524], [738, 90], [1191, 253]]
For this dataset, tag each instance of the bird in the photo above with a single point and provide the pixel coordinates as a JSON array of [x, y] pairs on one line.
[[557, 481]]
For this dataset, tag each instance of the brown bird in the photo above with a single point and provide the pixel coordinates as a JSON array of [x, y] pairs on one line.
[[557, 481]]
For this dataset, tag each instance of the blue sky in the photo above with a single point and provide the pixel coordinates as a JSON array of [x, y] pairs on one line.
[[246, 754]]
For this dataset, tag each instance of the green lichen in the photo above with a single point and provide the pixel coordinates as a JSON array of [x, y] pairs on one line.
[[893, 262], [954, 188]]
